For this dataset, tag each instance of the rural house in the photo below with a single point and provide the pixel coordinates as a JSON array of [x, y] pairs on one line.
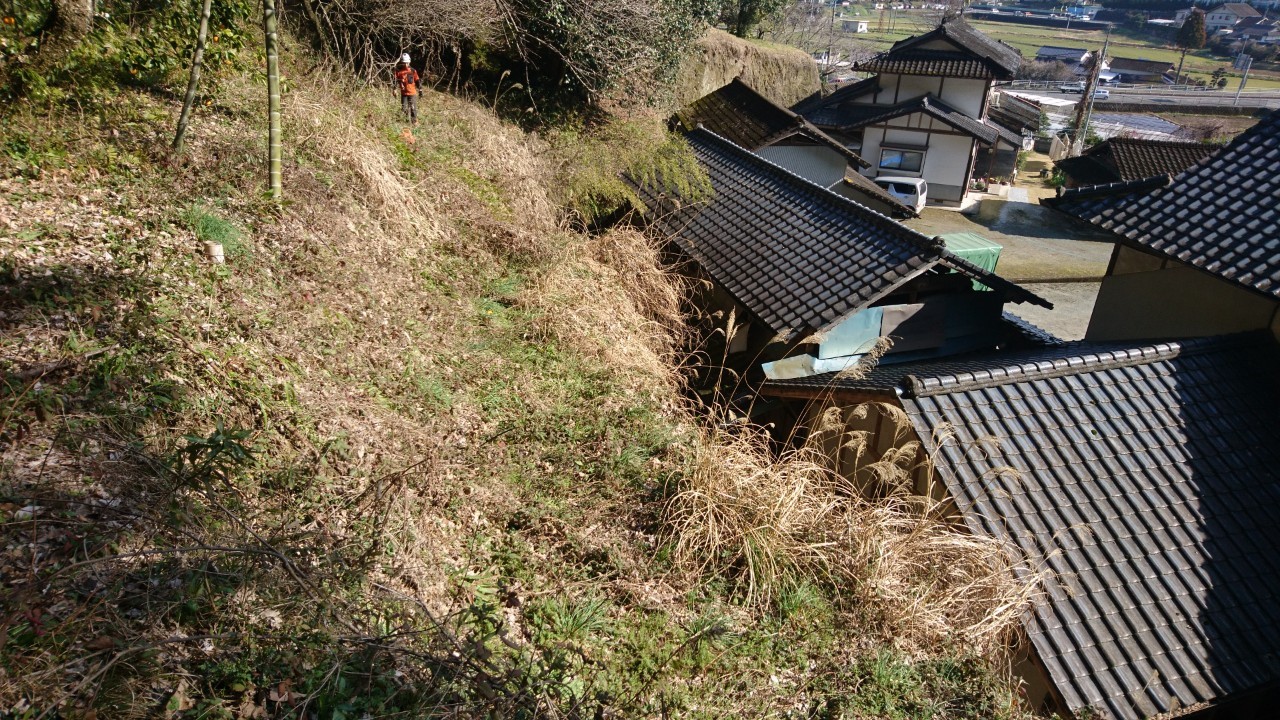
[[1140, 70], [1222, 17], [1256, 29], [1070, 57], [813, 279], [924, 112], [1197, 253], [743, 116], [1137, 478], [1123, 159]]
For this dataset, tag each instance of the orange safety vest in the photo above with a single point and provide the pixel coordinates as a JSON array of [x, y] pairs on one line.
[[408, 78]]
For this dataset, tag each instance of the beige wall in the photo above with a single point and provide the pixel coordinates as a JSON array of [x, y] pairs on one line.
[[1146, 297], [964, 94]]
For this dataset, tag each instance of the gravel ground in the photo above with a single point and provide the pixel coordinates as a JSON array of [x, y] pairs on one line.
[[1072, 306]]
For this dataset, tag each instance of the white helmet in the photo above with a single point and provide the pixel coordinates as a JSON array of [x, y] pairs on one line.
[[405, 58]]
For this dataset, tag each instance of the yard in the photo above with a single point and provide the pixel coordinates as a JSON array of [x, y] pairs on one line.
[[1060, 260]]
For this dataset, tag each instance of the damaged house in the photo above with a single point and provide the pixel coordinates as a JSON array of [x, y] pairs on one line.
[[1138, 478], [1134, 471]]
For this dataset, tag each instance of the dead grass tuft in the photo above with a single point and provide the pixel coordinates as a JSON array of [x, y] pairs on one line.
[[616, 304], [766, 522]]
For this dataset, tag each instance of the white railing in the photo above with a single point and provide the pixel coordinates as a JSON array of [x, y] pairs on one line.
[[1121, 87]]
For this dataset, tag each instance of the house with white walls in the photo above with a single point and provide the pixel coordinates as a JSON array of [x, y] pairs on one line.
[[924, 111], [1220, 17]]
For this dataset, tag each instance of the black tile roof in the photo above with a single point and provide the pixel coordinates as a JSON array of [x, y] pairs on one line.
[[798, 256], [740, 114], [748, 119], [824, 110], [1127, 159], [975, 55], [1221, 215], [854, 116], [1139, 65], [1241, 9], [1144, 480]]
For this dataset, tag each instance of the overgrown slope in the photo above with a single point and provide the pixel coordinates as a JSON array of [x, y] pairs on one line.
[[783, 74], [414, 450]]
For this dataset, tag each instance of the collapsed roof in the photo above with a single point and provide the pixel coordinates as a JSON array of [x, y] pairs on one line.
[[1143, 479]]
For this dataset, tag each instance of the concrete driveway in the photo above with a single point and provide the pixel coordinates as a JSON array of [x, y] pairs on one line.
[[1050, 254]]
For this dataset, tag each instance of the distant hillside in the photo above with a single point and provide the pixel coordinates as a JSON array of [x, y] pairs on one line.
[[783, 74]]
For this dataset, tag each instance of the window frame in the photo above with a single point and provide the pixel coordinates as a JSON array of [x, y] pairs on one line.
[[903, 151]]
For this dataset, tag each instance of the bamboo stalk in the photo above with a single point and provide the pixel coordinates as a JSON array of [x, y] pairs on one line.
[[275, 147], [197, 62]]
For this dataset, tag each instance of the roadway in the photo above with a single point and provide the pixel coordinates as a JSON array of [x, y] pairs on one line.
[[1172, 98]]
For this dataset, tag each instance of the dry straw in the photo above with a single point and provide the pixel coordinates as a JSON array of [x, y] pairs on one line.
[[895, 560]]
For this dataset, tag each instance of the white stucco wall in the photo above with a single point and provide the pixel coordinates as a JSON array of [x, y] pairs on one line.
[[913, 86], [964, 94], [946, 159], [818, 164]]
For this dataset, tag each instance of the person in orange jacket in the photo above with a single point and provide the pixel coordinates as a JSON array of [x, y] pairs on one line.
[[409, 82]]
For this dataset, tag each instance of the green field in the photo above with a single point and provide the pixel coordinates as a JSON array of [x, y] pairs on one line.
[[1029, 38]]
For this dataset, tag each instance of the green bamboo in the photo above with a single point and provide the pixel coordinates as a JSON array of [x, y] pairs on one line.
[[197, 63], [276, 150]]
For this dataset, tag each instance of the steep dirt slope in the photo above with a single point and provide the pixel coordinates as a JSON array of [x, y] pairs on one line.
[[783, 74], [415, 448]]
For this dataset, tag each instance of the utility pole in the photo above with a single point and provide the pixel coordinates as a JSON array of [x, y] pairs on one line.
[[1084, 111], [1248, 63], [831, 41]]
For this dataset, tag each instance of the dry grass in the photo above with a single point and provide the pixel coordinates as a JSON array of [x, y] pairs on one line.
[[782, 74], [441, 379], [414, 301], [766, 521]]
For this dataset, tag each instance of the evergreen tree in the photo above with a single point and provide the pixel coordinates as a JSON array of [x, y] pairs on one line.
[[1190, 37]]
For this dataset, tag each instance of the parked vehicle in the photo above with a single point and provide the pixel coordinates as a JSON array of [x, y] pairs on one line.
[[912, 192], [1078, 87]]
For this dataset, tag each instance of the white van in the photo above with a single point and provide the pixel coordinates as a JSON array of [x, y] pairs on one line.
[[912, 192]]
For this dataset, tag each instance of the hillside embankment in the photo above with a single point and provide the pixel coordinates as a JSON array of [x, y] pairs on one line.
[[416, 446], [783, 74]]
